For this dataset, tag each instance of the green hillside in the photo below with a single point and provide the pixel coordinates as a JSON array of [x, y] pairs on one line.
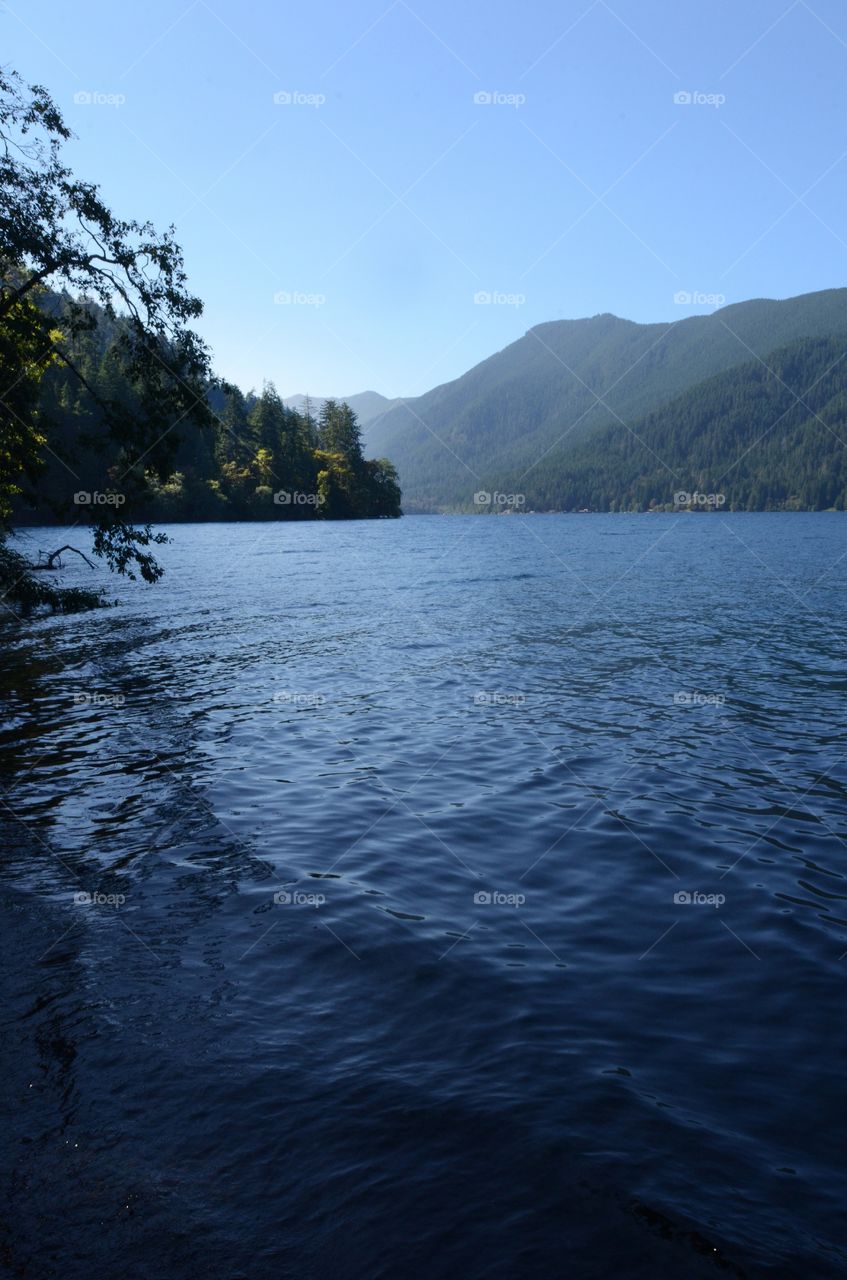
[[504, 416], [766, 435]]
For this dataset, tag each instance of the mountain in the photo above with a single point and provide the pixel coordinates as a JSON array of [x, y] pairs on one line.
[[367, 405], [764, 435], [519, 413]]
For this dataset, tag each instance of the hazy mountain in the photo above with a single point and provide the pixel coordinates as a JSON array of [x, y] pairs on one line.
[[368, 405], [520, 412]]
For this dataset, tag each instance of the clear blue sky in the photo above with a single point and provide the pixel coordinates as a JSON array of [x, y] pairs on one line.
[[399, 198]]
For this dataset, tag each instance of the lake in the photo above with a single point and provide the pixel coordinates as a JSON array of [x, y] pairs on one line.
[[438, 897]]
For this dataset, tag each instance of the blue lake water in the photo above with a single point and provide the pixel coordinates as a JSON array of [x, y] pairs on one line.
[[467, 897]]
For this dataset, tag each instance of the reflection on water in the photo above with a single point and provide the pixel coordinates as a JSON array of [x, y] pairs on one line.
[[448, 897]]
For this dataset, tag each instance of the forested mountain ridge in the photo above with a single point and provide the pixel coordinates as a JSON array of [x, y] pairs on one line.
[[564, 380], [766, 435]]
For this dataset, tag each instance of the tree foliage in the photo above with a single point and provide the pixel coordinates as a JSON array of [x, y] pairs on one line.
[[56, 231]]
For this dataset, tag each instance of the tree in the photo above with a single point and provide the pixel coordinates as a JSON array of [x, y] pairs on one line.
[[383, 488], [310, 426], [231, 428], [339, 432], [56, 231], [25, 341]]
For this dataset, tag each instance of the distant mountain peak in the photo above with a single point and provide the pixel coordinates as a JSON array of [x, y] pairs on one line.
[[368, 405]]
